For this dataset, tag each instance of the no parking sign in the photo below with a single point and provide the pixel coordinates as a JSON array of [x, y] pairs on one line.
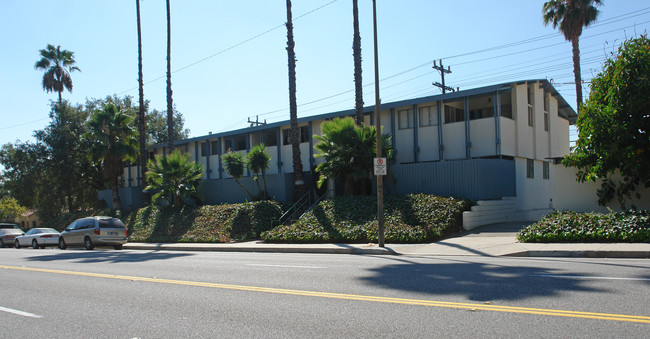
[[380, 166]]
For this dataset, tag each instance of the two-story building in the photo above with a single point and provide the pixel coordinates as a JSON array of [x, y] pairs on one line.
[[498, 144]]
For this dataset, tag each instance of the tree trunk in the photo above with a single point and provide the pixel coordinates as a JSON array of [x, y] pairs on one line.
[[60, 97], [576, 70], [356, 48], [141, 122], [170, 104], [115, 189], [299, 189], [242, 186]]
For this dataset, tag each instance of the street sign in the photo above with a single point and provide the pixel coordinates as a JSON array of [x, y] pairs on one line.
[[380, 166]]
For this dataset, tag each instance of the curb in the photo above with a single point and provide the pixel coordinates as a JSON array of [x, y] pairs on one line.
[[582, 254], [260, 249]]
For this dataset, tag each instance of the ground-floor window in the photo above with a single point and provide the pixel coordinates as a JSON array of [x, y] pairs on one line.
[[530, 168], [546, 170]]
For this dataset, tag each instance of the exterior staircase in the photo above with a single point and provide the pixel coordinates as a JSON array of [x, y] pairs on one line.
[[497, 211], [490, 212]]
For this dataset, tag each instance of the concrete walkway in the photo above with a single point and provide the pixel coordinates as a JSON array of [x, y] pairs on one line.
[[489, 240]]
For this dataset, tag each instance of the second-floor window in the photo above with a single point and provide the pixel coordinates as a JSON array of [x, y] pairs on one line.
[[427, 116], [405, 119]]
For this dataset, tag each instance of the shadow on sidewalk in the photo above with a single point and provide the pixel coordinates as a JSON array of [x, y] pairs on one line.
[[476, 281]]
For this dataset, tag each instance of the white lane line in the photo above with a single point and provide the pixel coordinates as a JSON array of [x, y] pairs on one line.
[[24, 314], [285, 266], [585, 277]]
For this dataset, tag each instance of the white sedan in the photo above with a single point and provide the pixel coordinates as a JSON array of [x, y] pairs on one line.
[[38, 237]]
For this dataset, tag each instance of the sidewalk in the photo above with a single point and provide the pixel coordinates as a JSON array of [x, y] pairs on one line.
[[489, 240]]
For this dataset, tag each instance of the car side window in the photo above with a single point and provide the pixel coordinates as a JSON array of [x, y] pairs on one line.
[[72, 226]]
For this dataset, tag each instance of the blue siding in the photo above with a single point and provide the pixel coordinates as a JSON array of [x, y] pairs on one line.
[[476, 179]]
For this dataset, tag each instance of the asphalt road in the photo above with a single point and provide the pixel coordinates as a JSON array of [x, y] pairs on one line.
[[157, 294]]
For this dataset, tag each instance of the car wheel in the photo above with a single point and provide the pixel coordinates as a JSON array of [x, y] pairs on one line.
[[17, 245], [62, 244], [88, 244], [34, 244], [2, 244], [118, 247]]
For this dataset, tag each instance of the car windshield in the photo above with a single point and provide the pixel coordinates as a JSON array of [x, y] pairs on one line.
[[49, 230], [8, 226], [111, 223], [11, 231]]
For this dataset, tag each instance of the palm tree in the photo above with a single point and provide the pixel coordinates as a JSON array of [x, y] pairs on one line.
[[170, 104], [571, 16], [258, 161], [141, 114], [356, 48], [57, 64], [174, 176], [299, 183], [235, 165], [112, 142]]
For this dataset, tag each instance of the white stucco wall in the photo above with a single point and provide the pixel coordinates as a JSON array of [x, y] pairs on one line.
[[428, 142], [483, 137], [453, 139], [570, 194], [532, 193]]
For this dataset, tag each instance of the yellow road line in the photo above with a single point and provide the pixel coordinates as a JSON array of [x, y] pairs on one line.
[[419, 302]]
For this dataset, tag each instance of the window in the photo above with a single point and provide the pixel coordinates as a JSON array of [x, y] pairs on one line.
[[531, 116], [546, 99], [481, 113], [227, 144], [546, 170], [214, 147], [530, 168], [239, 143], [204, 149], [546, 122], [427, 116], [304, 135], [453, 114], [531, 93], [270, 138], [405, 119]]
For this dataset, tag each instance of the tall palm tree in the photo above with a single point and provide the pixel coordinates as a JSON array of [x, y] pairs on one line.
[[571, 16], [57, 64], [141, 116], [356, 48], [113, 141], [174, 176], [299, 183], [170, 104]]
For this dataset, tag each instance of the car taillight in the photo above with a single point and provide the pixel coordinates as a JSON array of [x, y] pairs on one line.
[[10, 237], [46, 236], [126, 232], [96, 231]]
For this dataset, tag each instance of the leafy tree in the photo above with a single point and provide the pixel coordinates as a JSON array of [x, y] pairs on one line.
[[258, 161], [174, 176], [157, 132], [10, 209], [57, 64], [113, 141], [348, 150], [614, 127], [571, 16], [234, 164], [294, 136], [356, 51], [170, 104]]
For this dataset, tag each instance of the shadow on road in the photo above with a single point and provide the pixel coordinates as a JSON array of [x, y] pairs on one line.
[[108, 256], [477, 281]]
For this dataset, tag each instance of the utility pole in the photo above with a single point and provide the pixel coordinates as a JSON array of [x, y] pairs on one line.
[[257, 121], [380, 183], [442, 71]]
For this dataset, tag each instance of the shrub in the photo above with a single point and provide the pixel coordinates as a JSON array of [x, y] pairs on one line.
[[407, 218], [632, 226], [217, 223]]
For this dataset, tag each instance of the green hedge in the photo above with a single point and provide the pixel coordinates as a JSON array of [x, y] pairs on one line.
[[589, 227], [218, 223], [409, 218]]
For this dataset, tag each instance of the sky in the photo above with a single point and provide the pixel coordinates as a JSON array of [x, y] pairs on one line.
[[229, 59]]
